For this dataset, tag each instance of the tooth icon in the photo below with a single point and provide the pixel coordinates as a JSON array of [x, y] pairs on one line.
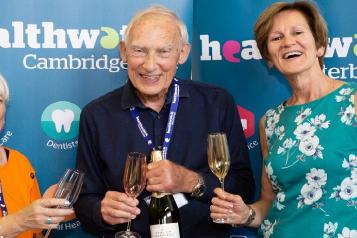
[[62, 118]]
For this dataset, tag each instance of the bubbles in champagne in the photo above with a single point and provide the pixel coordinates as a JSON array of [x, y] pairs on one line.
[[134, 174], [219, 167], [218, 154]]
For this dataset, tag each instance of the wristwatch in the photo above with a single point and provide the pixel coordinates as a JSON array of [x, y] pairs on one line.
[[250, 219], [199, 188]]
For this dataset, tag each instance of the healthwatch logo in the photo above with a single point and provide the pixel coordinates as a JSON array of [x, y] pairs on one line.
[[60, 121], [237, 51], [37, 38], [247, 120]]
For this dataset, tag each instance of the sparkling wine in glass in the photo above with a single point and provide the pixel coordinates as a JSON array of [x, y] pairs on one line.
[[68, 188], [134, 181], [218, 159]]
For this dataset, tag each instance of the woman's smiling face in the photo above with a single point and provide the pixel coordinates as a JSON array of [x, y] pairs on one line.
[[291, 45]]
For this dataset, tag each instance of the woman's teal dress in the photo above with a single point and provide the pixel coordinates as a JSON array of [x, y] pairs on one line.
[[312, 166]]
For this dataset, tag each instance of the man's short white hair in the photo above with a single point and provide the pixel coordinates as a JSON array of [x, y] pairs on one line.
[[157, 10]]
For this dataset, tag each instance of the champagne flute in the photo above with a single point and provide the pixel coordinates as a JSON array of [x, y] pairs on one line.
[[68, 188], [134, 181], [218, 159]]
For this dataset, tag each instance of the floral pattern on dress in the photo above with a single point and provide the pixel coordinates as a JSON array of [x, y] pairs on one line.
[[347, 113], [320, 122], [347, 233], [306, 143], [280, 195], [344, 94], [272, 118], [347, 190], [305, 132], [301, 117], [312, 191], [296, 137], [267, 228], [330, 230]]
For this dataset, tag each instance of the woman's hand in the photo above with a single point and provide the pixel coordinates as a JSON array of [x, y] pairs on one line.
[[229, 206], [41, 214]]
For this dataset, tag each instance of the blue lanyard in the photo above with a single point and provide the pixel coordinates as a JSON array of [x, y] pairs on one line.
[[170, 122], [2, 202]]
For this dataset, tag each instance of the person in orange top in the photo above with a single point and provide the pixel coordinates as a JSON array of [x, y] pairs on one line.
[[23, 212]]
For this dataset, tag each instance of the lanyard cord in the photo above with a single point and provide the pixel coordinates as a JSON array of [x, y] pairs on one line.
[[2, 202], [169, 126]]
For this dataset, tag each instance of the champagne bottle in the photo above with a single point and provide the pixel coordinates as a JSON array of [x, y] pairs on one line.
[[164, 215]]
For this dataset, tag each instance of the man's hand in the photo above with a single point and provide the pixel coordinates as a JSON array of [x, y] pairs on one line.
[[118, 208], [166, 176]]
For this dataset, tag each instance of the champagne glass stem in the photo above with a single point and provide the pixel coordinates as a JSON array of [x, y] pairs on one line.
[[222, 184], [128, 226], [48, 233]]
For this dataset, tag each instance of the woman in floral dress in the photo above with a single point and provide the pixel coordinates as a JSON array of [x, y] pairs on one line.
[[309, 142]]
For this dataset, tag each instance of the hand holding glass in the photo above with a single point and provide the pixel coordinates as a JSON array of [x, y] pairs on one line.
[[218, 159], [68, 188], [134, 181]]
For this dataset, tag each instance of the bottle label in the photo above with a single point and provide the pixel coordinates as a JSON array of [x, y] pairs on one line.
[[169, 230]]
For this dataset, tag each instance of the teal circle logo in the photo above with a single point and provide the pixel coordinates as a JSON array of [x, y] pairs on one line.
[[60, 120]]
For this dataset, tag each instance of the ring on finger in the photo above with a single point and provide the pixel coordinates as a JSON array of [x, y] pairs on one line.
[[49, 220]]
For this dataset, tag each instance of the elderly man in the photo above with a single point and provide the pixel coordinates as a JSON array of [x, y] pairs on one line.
[[156, 41]]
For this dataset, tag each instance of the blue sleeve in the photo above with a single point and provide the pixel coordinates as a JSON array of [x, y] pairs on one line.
[[239, 179], [88, 205]]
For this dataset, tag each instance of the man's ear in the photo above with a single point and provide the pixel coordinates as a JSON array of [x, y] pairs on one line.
[[185, 52], [122, 50]]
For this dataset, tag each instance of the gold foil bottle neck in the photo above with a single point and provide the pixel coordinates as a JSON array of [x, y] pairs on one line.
[[156, 155]]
